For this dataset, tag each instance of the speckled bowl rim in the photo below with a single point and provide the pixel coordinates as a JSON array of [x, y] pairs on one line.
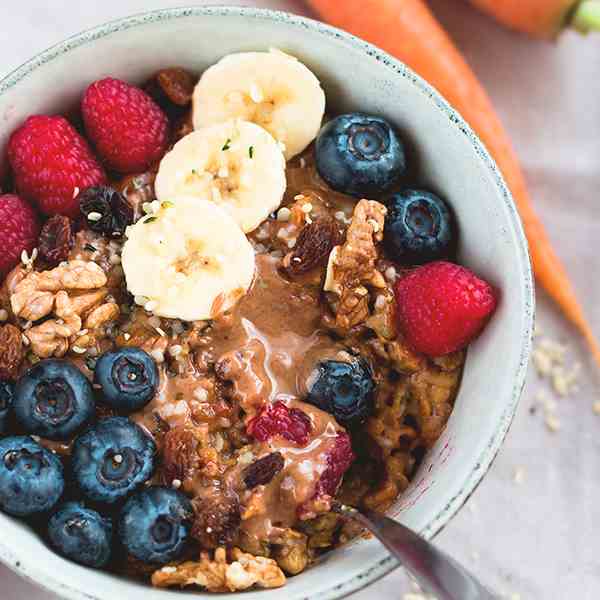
[[482, 463]]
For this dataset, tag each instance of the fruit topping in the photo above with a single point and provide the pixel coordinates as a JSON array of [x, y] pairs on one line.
[[360, 155], [155, 523], [19, 229], [189, 260], [128, 378], [56, 240], [7, 395], [315, 241], [419, 228], [13, 351], [272, 89], [52, 163], [81, 535], [217, 520], [441, 307], [343, 389], [106, 211], [236, 164], [31, 477], [278, 419], [112, 459], [127, 127], [339, 460], [54, 400], [261, 471]]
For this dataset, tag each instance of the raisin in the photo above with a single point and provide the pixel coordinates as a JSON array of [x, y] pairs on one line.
[[315, 242], [12, 353], [180, 454], [106, 210], [261, 471], [56, 240], [177, 84], [217, 520]]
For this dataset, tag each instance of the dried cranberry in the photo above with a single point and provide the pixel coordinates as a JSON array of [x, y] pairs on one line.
[[56, 240], [261, 471], [106, 210], [338, 461], [278, 419]]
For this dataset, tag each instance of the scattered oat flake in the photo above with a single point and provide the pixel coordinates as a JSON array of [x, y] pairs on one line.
[[519, 475], [552, 423]]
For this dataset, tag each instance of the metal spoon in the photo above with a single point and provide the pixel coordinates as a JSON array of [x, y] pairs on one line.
[[436, 573]]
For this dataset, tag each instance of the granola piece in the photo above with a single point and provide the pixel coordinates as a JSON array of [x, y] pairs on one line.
[[217, 575], [398, 355], [351, 269], [291, 552], [433, 391], [386, 427], [12, 354]]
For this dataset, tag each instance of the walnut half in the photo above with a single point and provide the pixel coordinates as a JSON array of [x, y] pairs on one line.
[[217, 575]]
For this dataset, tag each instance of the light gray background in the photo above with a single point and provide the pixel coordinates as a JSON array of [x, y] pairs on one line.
[[537, 539]]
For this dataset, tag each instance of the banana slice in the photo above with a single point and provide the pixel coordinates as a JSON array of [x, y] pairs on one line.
[[236, 164], [189, 260], [273, 89]]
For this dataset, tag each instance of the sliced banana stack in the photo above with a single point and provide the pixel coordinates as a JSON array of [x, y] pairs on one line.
[[189, 260], [272, 89], [236, 164]]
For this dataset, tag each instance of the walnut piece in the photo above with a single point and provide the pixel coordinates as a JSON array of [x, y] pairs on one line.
[[351, 267], [217, 575], [74, 293], [12, 352]]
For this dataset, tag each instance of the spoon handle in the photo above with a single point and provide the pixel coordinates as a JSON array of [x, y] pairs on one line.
[[436, 573]]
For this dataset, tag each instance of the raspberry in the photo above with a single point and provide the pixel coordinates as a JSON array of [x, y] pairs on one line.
[[52, 163], [442, 307], [338, 461], [128, 128], [278, 419], [19, 229]]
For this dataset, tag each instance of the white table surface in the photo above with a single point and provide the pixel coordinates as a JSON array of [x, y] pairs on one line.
[[534, 540]]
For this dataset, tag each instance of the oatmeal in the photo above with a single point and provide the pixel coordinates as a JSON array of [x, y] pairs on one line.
[[242, 327]]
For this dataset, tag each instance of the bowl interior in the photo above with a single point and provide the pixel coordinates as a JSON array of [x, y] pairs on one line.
[[445, 155]]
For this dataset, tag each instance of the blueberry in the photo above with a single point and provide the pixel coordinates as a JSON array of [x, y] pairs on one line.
[[360, 155], [128, 378], [31, 477], [419, 228], [7, 394], [81, 534], [112, 459], [343, 389], [155, 524], [54, 400]]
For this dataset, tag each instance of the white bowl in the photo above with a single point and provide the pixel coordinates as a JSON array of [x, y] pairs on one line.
[[449, 158]]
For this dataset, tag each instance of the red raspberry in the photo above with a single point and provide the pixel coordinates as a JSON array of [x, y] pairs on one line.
[[441, 307], [278, 419], [19, 230], [128, 128], [338, 462], [52, 163]]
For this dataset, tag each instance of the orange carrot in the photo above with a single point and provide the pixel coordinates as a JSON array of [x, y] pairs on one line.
[[408, 30], [544, 18]]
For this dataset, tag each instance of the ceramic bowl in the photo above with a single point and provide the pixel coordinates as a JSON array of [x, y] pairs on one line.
[[447, 156]]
